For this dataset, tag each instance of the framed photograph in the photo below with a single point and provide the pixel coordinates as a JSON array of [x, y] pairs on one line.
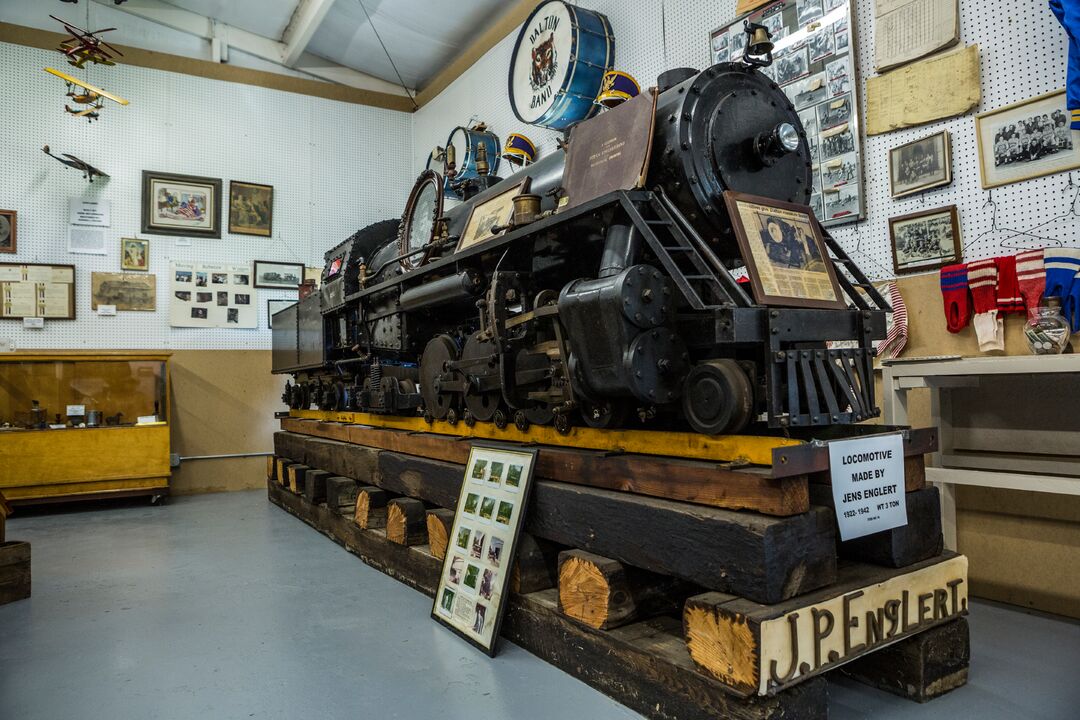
[[1026, 140], [925, 240], [126, 292], [274, 306], [920, 165], [475, 580], [251, 208], [7, 231], [134, 254], [181, 205], [493, 212], [785, 253], [270, 274], [37, 290]]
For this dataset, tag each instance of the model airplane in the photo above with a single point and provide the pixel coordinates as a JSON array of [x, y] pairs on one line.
[[88, 170], [85, 94], [85, 46]]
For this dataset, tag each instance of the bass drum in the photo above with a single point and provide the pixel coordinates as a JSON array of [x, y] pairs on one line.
[[465, 142], [558, 65]]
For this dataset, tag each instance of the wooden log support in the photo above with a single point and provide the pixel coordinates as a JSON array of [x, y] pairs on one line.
[[439, 523], [271, 468], [536, 565], [315, 486], [899, 547], [371, 504], [762, 649], [14, 571], [767, 559], [289, 445], [406, 522], [297, 477], [604, 594], [920, 668], [341, 494], [5, 510], [281, 473], [642, 665]]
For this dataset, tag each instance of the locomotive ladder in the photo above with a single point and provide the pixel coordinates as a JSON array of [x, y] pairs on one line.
[[857, 281], [695, 269]]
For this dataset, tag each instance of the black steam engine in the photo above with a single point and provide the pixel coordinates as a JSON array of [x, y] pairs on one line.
[[618, 312]]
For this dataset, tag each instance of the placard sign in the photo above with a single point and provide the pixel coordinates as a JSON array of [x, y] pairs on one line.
[[868, 484], [475, 579]]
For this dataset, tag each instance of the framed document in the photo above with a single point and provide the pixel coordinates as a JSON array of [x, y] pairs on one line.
[[475, 580], [490, 215], [37, 290]]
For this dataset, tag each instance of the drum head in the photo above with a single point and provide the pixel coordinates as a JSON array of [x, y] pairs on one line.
[[541, 60]]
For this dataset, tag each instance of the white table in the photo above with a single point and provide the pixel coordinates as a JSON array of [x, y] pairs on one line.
[[1041, 459]]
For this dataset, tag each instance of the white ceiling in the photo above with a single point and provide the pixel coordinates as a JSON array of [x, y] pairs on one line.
[[422, 36]]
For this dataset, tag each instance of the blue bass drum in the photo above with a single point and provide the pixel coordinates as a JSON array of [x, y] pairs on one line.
[[558, 64], [465, 142]]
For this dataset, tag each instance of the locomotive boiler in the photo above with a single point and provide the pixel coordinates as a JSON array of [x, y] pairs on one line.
[[620, 311]]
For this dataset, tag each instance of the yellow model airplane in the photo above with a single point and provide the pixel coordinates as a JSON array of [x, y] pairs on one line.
[[85, 94]]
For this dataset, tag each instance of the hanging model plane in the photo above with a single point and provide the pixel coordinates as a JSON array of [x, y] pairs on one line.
[[84, 46], [85, 94], [88, 170]]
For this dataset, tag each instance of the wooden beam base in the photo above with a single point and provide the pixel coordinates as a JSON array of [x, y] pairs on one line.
[[643, 665], [341, 494], [406, 522], [14, 571], [370, 513], [920, 668], [439, 523], [315, 486]]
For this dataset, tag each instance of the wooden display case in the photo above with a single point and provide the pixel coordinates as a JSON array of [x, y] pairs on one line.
[[126, 454]]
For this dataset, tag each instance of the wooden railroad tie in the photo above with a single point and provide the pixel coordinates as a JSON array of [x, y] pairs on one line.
[[297, 473], [604, 594], [14, 571], [315, 486], [341, 494], [371, 507], [271, 468], [406, 522], [536, 565], [439, 522]]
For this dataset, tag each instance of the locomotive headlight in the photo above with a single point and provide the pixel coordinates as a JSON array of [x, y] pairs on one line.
[[788, 137], [777, 143]]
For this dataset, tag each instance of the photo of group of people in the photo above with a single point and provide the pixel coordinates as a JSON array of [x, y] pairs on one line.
[[211, 296], [812, 64], [1032, 138], [483, 535]]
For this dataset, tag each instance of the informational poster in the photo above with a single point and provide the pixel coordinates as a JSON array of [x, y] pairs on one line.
[[473, 586], [218, 295], [868, 484], [89, 212], [86, 240], [37, 291]]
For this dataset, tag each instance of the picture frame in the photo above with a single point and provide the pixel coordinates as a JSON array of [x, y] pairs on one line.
[[270, 274], [183, 205], [275, 305], [925, 240], [474, 583], [135, 254], [125, 291], [494, 212], [8, 234], [251, 208], [920, 165], [786, 258], [1026, 140], [23, 285]]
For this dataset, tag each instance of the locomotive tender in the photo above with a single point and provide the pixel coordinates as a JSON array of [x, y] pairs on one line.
[[619, 312]]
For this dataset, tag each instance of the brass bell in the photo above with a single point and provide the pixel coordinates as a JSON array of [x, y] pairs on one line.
[[760, 42]]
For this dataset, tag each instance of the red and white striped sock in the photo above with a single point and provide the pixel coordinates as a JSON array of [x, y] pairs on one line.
[[897, 337], [982, 279], [1031, 276], [1008, 287]]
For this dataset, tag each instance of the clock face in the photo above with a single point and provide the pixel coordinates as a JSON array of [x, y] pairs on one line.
[[422, 222], [540, 66]]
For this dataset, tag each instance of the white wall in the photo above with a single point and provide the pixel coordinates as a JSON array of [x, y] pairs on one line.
[[1023, 53], [335, 168]]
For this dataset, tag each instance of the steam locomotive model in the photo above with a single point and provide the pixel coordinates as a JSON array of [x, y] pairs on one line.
[[620, 311]]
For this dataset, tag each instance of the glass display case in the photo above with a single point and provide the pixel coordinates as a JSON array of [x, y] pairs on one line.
[[74, 424]]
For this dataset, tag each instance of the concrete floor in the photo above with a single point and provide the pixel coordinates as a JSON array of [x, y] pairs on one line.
[[224, 606]]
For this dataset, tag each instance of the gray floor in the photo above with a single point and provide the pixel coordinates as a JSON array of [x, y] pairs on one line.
[[223, 606]]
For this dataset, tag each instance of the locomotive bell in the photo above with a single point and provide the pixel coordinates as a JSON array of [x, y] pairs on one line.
[[760, 43]]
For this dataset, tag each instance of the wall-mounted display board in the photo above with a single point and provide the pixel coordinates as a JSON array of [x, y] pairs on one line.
[[474, 583], [35, 290], [211, 296], [814, 64]]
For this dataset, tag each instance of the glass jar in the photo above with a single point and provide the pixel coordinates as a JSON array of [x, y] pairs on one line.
[[1048, 331]]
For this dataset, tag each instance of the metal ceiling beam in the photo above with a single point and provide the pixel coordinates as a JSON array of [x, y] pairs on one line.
[[305, 20], [262, 47]]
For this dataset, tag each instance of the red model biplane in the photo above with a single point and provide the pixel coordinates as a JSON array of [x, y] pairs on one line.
[[85, 46]]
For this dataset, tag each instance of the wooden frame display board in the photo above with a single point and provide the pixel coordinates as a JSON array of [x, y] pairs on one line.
[[475, 580], [37, 290], [814, 64]]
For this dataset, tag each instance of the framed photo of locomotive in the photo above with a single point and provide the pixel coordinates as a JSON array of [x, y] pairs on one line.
[[488, 216], [183, 205], [814, 64], [925, 240], [475, 580], [1026, 140], [277, 275], [920, 165], [784, 251], [125, 291]]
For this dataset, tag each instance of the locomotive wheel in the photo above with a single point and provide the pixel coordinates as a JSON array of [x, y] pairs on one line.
[[520, 421], [337, 396], [562, 423], [717, 397], [605, 414], [539, 415], [500, 419], [482, 404], [439, 351]]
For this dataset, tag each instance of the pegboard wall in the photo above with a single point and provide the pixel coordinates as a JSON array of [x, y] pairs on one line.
[[1023, 53], [335, 168]]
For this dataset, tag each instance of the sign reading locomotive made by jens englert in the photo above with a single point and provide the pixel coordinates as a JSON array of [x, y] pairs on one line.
[[868, 484]]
